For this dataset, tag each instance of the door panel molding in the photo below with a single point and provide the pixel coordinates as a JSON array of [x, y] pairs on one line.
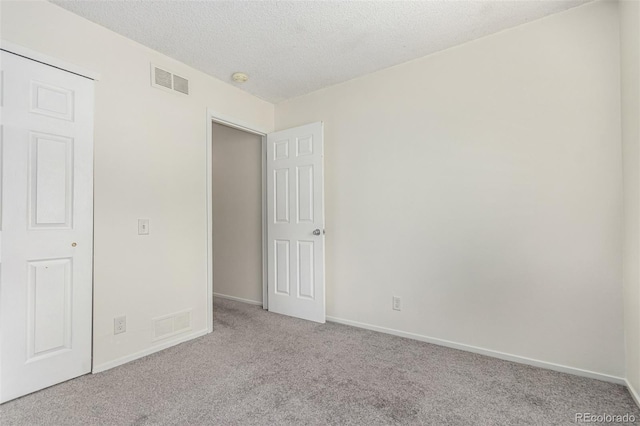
[[295, 229], [46, 279]]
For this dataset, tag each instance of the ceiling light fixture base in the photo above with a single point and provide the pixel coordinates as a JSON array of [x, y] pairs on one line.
[[240, 77]]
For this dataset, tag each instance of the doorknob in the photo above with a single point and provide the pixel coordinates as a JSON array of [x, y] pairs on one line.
[[316, 232]]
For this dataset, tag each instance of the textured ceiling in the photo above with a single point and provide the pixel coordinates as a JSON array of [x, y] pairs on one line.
[[290, 48]]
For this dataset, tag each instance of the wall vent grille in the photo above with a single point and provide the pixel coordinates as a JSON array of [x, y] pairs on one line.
[[166, 80], [171, 325], [162, 78], [180, 84]]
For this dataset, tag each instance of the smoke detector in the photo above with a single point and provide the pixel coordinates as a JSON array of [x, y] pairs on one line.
[[240, 77]]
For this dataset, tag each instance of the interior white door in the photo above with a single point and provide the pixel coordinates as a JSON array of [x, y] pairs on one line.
[[295, 222], [47, 226]]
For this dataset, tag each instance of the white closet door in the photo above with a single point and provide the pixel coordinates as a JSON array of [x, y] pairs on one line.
[[47, 226], [295, 222]]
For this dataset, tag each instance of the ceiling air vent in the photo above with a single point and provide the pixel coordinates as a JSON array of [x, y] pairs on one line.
[[166, 80]]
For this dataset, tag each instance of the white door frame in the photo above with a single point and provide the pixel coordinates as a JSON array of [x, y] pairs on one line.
[[48, 60], [216, 117], [69, 67]]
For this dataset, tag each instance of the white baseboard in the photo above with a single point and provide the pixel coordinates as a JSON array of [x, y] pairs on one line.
[[483, 351], [633, 392], [153, 349], [237, 299]]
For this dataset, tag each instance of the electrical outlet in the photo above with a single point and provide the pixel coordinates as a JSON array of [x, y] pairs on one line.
[[397, 303], [119, 325]]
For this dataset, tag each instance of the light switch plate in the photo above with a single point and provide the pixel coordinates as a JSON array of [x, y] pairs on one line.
[[143, 226]]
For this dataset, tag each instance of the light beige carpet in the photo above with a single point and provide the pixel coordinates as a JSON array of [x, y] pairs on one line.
[[267, 369]]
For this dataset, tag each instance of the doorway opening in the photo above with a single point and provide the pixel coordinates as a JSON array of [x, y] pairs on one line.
[[237, 213], [290, 183]]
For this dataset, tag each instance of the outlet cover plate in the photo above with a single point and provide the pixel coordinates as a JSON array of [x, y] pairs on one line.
[[397, 303], [119, 325]]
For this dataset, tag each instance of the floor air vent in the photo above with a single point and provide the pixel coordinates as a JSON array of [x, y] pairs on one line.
[[172, 324], [166, 80]]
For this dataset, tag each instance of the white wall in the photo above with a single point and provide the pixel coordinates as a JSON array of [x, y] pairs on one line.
[[630, 84], [150, 162], [482, 184], [237, 213]]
